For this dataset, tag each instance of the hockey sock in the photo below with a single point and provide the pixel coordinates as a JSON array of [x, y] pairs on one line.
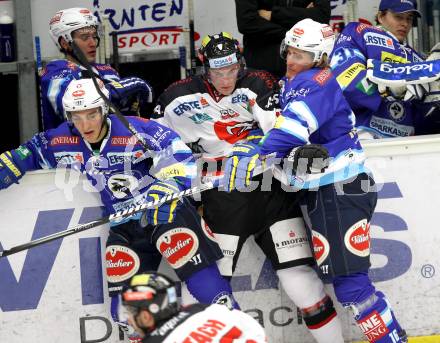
[[370, 308], [306, 290], [209, 287]]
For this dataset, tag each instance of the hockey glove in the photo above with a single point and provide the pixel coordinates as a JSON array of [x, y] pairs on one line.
[[309, 159], [240, 165], [130, 94], [164, 213], [10, 172]]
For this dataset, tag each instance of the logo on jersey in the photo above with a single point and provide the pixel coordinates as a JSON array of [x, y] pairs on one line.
[[207, 231], [122, 185], [121, 263], [225, 299], [124, 140], [233, 131], [186, 106], [357, 238], [240, 98], [64, 140], [323, 76], [203, 102], [348, 75], [391, 58], [377, 39], [396, 111], [178, 246], [67, 157], [228, 114], [373, 326], [208, 331], [200, 118], [123, 157], [321, 247]]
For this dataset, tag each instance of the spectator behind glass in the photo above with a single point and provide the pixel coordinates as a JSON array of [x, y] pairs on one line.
[[264, 23]]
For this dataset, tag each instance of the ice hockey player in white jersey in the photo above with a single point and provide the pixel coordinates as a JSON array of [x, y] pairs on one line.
[[151, 305]]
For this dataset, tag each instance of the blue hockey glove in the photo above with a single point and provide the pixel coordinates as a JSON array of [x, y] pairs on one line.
[[10, 172], [240, 165], [164, 213]]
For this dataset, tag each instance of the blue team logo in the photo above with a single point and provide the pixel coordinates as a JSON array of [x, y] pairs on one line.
[[396, 111]]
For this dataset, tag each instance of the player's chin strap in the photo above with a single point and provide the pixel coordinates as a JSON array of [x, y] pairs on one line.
[[85, 63]]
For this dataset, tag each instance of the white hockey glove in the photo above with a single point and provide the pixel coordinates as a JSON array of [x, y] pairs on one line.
[[435, 53]]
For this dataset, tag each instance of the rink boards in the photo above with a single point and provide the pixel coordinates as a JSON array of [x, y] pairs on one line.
[[56, 292]]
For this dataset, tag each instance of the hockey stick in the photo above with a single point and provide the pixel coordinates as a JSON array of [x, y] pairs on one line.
[[192, 46], [115, 216], [83, 61]]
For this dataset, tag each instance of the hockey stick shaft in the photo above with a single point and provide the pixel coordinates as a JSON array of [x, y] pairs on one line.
[[115, 216]]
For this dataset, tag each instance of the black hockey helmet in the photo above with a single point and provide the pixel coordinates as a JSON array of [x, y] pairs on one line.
[[153, 292], [220, 50]]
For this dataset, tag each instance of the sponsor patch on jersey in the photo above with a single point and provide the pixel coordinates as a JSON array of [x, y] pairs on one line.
[[357, 238], [23, 152], [377, 39], [396, 111], [389, 127], [391, 58], [240, 98], [343, 38], [232, 131], [373, 327], [366, 86], [321, 247], [200, 118], [206, 230], [178, 246], [124, 140], [223, 61], [225, 299], [123, 157], [208, 331], [69, 157], [121, 263], [176, 169], [204, 102], [323, 76], [228, 113], [64, 140], [187, 106], [361, 27], [348, 75], [290, 240], [122, 185]]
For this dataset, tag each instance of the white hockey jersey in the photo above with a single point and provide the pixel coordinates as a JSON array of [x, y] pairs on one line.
[[208, 323], [199, 114]]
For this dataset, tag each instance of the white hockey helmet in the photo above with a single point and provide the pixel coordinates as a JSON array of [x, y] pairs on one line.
[[309, 35], [64, 22], [82, 95]]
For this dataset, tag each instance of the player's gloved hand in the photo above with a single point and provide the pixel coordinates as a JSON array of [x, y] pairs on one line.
[[10, 172], [128, 87], [434, 53], [120, 318], [417, 91], [164, 213], [309, 159], [240, 165]]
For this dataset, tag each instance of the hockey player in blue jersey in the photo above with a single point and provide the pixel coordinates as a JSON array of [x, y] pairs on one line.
[[380, 112], [79, 25], [101, 147], [338, 202]]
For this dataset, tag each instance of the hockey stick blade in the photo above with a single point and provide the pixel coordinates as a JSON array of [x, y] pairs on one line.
[[113, 217]]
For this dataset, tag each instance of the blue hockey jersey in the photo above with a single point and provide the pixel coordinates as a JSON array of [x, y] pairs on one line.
[[379, 116], [315, 111], [55, 78], [113, 170]]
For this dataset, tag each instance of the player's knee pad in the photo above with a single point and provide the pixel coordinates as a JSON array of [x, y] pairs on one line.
[[302, 285], [370, 308], [209, 287]]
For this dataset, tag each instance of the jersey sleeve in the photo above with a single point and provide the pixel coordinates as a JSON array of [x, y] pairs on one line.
[[265, 107], [172, 158], [308, 106], [349, 65]]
